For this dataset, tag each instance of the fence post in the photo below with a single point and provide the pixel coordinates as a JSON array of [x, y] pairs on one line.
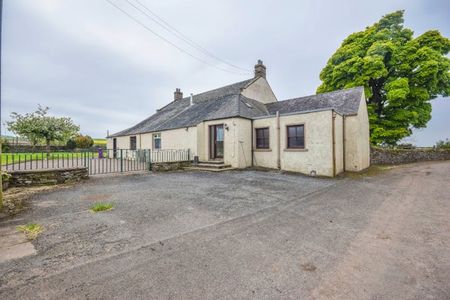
[[149, 158], [189, 154], [121, 160]]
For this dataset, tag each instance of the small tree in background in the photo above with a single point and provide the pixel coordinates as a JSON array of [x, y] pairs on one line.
[[84, 141], [39, 127], [71, 144], [400, 73], [443, 144]]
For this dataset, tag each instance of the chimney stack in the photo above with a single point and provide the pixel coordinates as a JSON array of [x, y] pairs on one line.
[[260, 69], [177, 95]]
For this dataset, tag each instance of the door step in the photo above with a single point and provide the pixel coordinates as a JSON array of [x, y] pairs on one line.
[[212, 162], [214, 166], [209, 169]]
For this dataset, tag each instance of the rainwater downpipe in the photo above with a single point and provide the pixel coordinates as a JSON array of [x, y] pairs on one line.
[[278, 141], [343, 143], [251, 138], [333, 140]]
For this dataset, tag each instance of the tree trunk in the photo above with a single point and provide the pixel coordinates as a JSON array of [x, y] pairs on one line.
[[376, 86], [47, 147]]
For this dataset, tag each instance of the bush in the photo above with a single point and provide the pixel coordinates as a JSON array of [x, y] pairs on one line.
[[84, 141], [443, 144], [98, 207], [31, 230], [71, 144], [5, 145]]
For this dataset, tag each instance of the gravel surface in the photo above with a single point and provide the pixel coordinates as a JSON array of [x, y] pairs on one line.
[[240, 234]]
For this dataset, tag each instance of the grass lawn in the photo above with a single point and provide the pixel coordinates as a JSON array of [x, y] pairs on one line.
[[8, 158]]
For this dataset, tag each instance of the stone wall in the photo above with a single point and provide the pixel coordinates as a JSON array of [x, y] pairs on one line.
[[380, 156], [46, 177], [170, 166]]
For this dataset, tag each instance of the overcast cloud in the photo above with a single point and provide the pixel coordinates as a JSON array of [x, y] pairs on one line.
[[87, 60]]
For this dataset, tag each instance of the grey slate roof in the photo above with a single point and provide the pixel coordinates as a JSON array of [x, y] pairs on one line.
[[227, 102], [345, 102], [215, 104]]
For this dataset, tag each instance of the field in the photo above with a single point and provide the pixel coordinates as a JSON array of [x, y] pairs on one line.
[[9, 158], [100, 142]]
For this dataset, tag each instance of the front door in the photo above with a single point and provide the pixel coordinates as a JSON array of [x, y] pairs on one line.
[[114, 147], [216, 141]]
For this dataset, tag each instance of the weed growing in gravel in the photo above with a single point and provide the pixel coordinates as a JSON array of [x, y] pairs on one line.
[[98, 207], [31, 230]]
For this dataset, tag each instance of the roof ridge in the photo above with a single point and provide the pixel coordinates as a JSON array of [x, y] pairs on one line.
[[216, 89], [326, 93]]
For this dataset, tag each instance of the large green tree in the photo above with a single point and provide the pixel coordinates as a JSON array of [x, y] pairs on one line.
[[400, 74], [38, 127]]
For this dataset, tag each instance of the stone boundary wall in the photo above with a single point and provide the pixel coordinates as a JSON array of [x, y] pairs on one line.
[[170, 166], [380, 156], [46, 177]]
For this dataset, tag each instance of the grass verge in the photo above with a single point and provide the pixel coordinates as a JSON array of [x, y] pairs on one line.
[[373, 170], [31, 230], [98, 207]]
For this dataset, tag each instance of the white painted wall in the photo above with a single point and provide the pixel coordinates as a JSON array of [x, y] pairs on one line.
[[266, 158], [260, 90], [339, 143], [182, 138], [123, 142], [237, 142], [317, 155], [357, 139]]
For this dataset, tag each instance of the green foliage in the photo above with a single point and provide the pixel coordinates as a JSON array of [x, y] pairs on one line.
[[400, 74], [84, 141], [5, 144], [31, 230], [98, 207], [38, 126], [71, 144], [443, 144]]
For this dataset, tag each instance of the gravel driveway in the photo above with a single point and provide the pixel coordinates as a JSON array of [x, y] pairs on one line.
[[240, 234]]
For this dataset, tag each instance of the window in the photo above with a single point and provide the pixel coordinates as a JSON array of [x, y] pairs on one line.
[[132, 143], [262, 138], [157, 141], [296, 136]]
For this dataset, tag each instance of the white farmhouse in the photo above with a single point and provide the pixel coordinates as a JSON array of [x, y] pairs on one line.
[[243, 125]]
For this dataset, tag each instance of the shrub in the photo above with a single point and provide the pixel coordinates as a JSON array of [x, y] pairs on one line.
[[443, 144], [31, 230], [71, 144], [84, 141], [5, 145], [98, 207]]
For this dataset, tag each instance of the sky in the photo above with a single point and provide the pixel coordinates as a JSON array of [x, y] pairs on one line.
[[88, 60]]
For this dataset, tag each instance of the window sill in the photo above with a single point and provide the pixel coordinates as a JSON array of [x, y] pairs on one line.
[[296, 150], [262, 150]]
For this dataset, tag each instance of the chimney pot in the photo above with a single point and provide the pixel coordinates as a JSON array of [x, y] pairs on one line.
[[177, 95], [260, 69]]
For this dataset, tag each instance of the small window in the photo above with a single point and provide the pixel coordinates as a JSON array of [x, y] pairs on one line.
[[132, 143], [262, 138], [157, 141], [296, 137]]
